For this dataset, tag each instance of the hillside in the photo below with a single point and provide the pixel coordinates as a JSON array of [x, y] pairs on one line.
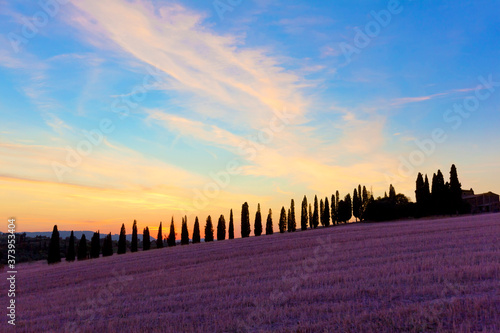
[[422, 275]]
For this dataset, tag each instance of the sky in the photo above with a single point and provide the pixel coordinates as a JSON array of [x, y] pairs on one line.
[[151, 109]]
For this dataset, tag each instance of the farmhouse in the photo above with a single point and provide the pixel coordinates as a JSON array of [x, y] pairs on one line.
[[480, 203]]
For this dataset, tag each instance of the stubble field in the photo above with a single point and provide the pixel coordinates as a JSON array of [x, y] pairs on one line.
[[412, 276]]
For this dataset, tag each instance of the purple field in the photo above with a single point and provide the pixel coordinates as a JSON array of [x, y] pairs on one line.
[[412, 276]]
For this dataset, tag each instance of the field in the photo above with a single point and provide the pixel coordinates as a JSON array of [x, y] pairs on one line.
[[412, 276]]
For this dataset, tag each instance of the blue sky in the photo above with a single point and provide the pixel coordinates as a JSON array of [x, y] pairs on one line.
[[185, 89]]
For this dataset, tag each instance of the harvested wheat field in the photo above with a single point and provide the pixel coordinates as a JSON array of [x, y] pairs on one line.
[[412, 276]]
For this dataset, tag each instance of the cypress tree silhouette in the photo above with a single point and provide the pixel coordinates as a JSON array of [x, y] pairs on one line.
[[360, 203], [159, 238], [326, 213], [356, 205], [333, 210], [95, 245], [82, 248], [322, 212], [392, 193], [348, 209], [315, 213], [184, 232], [107, 248], [171, 235], [311, 223], [269, 223], [337, 201], [146, 240], [231, 225], [54, 255], [258, 222], [439, 193], [209, 230], [293, 222], [133, 244], [221, 229], [282, 223], [303, 214], [196, 231], [70, 253], [289, 221], [456, 202], [122, 241], [245, 221]]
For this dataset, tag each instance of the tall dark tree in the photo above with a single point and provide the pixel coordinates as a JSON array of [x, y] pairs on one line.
[[245, 221], [356, 203], [322, 212], [326, 213], [171, 235], [345, 209], [348, 211], [269, 223], [282, 223], [159, 238], [196, 231], [337, 201], [439, 193], [122, 241], [392, 193], [70, 253], [311, 222], [107, 246], [315, 212], [455, 191], [288, 221], [133, 244], [82, 248], [95, 245], [293, 221], [419, 189], [146, 240], [303, 214], [184, 232], [360, 203], [221, 228], [54, 250], [333, 210], [257, 231], [209, 230], [231, 226]]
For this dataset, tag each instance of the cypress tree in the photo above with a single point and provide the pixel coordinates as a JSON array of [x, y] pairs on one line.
[[303, 214], [337, 201], [82, 248], [258, 222], [326, 213], [282, 223], [269, 223], [311, 223], [146, 240], [360, 202], [95, 245], [322, 212], [355, 204], [54, 255], [196, 231], [365, 201], [392, 193], [133, 244], [348, 208], [107, 249], [221, 229], [231, 225], [171, 235], [455, 191], [209, 230], [315, 213], [70, 253], [293, 222], [333, 210], [245, 221], [122, 241], [184, 232], [159, 238], [289, 221]]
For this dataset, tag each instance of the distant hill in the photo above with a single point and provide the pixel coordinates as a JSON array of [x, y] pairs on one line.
[[78, 234]]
